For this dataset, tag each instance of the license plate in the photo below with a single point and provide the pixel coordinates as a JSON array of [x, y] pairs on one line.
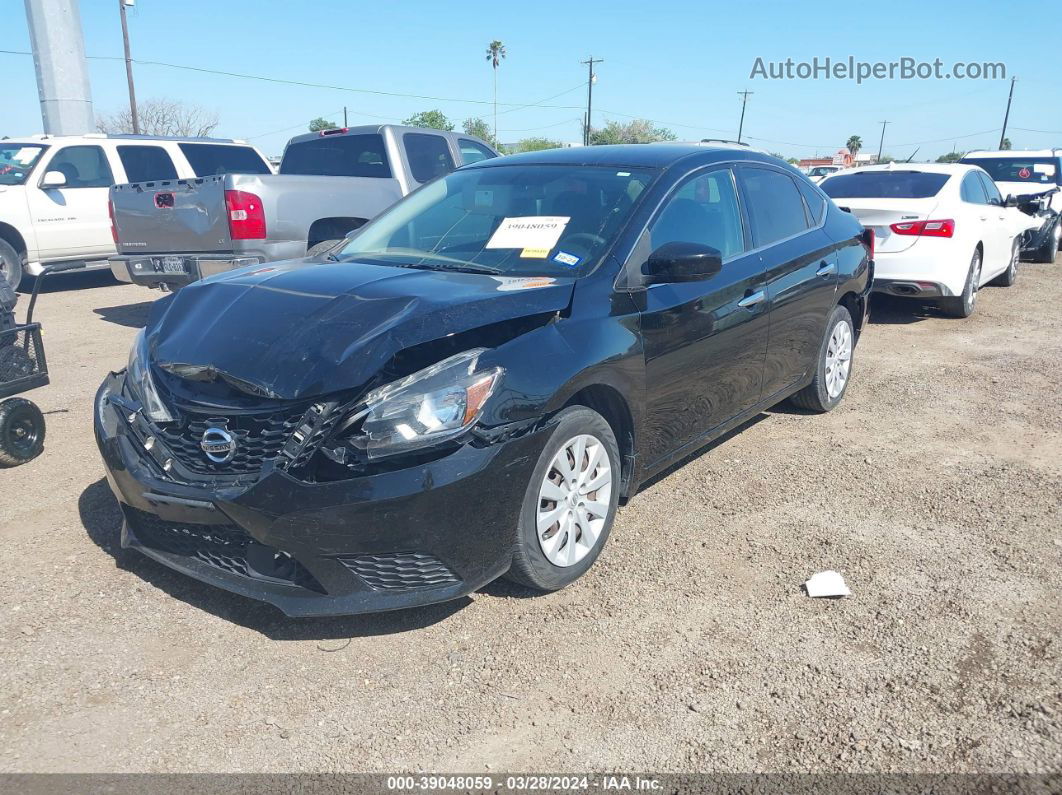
[[170, 264]]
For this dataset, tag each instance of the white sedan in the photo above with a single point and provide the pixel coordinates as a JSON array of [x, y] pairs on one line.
[[941, 230]]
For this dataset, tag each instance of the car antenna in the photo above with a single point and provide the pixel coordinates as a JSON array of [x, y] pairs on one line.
[[915, 152]]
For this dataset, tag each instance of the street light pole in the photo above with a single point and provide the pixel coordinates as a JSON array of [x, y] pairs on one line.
[[129, 67]]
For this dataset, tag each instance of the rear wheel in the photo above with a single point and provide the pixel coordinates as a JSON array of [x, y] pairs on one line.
[[21, 432], [964, 305], [834, 365], [1010, 275], [10, 264], [570, 503]]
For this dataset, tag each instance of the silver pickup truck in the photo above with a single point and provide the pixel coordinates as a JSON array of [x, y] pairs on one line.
[[170, 233]]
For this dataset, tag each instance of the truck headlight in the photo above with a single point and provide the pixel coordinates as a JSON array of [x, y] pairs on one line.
[[138, 377], [430, 406]]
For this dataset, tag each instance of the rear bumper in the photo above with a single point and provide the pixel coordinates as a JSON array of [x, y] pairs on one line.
[[147, 270], [397, 539], [927, 269]]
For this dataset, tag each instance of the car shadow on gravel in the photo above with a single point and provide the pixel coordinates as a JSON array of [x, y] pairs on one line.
[[887, 310], [71, 281], [131, 315], [102, 519]]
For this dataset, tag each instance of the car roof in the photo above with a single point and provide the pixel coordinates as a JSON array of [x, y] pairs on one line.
[[662, 155], [128, 137], [925, 168]]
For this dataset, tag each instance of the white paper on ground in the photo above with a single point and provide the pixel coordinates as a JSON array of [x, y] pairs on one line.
[[529, 231], [827, 583]]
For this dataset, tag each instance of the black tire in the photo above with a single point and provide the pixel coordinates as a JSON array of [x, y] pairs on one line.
[[10, 264], [21, 432], [1010, 275], [317, 249], [1049, 250], [530, 565], [964, 305], [816, 395]]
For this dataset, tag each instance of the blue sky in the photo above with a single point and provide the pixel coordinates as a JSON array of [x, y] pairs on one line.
[[679, 63]]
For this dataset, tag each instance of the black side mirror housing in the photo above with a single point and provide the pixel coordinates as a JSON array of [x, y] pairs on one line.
[[683, 262]]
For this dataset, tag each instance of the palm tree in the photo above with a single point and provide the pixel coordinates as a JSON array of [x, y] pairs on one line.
[[495, 53], [855, 143]]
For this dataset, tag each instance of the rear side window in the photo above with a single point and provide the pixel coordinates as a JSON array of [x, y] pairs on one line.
[[207, 160], [146, 163], [428, 156], [337, 156], [472, 152], [884, 185], [814, 200], [774, 205], [972, 190], [83, 167]]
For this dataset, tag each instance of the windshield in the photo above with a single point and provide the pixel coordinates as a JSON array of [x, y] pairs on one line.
[[17, 160], [1034, 170], [884, 185], [532, 220]]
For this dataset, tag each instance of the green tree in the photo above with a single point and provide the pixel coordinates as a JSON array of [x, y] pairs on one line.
[[432, 119], [321, 123], [537, 144], [950, 157], [855, 143], [480, 129], [1005, 144], [495, 54], [886, 159], [638, 131]]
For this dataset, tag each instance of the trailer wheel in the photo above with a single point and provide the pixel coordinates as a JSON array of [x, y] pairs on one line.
[[21, 432]]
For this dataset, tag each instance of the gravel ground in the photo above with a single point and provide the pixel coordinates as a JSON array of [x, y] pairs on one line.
[[934, 489]]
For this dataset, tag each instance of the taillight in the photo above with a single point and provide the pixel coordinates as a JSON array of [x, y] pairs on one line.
[[868, 241], [114, 226], [945, 228], [246, 217]]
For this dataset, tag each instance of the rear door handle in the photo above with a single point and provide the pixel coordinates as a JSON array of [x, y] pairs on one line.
[[752, 300], [826, 269]]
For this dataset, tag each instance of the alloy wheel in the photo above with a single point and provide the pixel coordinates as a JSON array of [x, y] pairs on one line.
[[838, 359], [574, 500]]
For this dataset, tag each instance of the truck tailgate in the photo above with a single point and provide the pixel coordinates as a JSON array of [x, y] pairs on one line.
[[181, 215]]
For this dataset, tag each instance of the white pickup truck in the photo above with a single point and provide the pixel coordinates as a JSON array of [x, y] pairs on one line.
[[53, 190]]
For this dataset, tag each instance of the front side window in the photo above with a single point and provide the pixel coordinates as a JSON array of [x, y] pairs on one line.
[[884, 184], [338, 156], [17, 161], [83, 167], [472, 152], [972, 191], [428, 156], [703, 210], [994, 196], [208, 160], [530, 220], [775, 208], [146, 163]]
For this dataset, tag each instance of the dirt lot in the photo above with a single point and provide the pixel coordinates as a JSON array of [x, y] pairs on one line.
[[935, 489]]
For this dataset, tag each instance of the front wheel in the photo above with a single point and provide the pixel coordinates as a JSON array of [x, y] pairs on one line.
[[21, 432], [834, 365], [10, 264], [1010, 275], [570, 503], [964, 305]]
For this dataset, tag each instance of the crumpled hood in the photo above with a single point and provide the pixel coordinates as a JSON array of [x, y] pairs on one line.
[[300, 329]]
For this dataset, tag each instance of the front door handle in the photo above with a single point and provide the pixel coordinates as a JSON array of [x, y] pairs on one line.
[[826, 269], [752, 300]]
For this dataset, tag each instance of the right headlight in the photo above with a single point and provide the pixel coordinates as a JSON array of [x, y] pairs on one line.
[[430, 406], [138, 378]]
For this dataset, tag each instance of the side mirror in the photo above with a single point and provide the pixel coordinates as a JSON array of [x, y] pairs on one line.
[[53, 179], [1010, 201], [683, 262]]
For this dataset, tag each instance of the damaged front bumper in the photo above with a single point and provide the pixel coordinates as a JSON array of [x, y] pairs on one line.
[[394, 539]]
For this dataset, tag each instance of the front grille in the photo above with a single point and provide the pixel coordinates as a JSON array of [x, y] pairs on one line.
[[224, 547], [400, 571], [259, 438]]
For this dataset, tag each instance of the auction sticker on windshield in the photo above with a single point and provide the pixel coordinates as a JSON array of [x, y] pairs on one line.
[[529, 232], [508, 283]]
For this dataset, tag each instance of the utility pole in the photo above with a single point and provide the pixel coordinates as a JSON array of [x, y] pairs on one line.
[[881, 143], [589, 96], [744, 101], [345, 116], [59, 60], [1006, 116], [129, 66]]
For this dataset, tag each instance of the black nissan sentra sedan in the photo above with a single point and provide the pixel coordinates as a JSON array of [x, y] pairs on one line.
[[469, 386]]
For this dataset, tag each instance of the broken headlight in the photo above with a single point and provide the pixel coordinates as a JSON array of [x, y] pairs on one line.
[[142, 385], [430, 406]]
